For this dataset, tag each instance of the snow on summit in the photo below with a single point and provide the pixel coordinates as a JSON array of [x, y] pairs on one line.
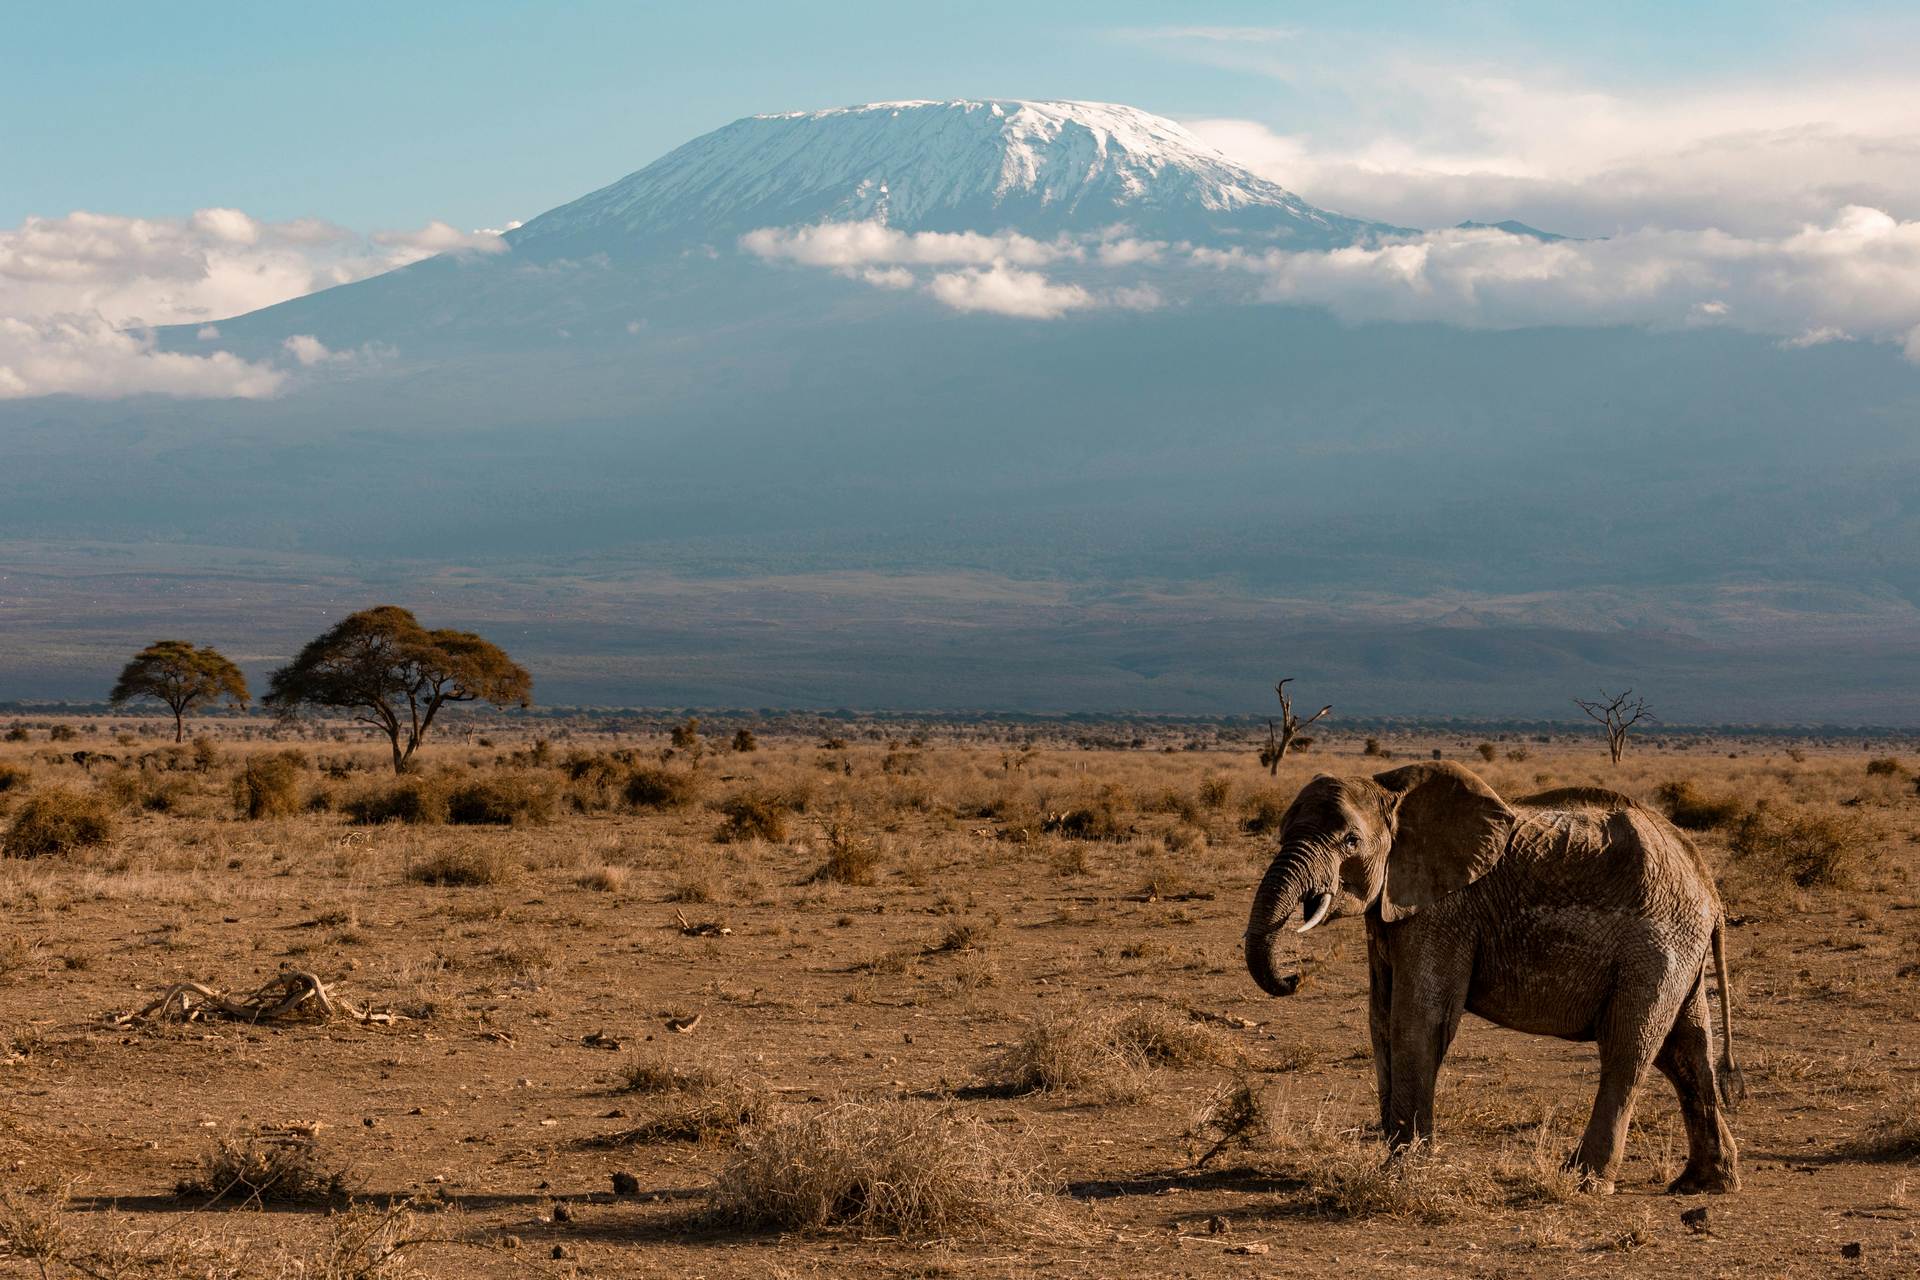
[[1035, 167]]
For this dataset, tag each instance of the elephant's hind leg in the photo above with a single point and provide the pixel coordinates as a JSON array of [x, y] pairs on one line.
[[1627, 1046], [1687, 1059]]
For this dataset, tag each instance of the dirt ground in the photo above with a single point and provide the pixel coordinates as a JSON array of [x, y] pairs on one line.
[[467, 1126]]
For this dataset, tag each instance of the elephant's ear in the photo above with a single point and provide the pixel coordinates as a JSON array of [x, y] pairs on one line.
[[1449, 828]]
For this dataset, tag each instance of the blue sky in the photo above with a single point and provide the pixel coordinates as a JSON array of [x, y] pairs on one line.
[[380, 115]]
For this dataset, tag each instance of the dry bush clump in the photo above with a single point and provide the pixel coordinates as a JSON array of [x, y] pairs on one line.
[[710, 1108], [499, 800], [1885, 767], [268, 786], [648, 788], [265, 1169], [1806, 846], [1692, 810], [417, 800], [1165, 1038], [13, 777], [462, 867], [1264, 813], [1070, 1051], [754, 815], [140, 792], [650, 1074], [57, 820], [605, 878], [894, 1168], [1894, 1135], [851, 857]]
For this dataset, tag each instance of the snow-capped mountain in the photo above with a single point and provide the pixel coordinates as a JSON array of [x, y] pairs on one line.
[[1034, 167]]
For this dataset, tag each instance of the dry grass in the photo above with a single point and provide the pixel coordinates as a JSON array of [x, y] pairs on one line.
[[463, 867], [851, 857], [1894, 1135], [268, 1169], [906, 1169], [647, 788], [417, 800], [268, 786], [701, 1107], [1165, 1038], [754, 816], [648, 1074], [1692, 810], [1070, 1051], [500, 800], [57, 820], [1810, 847]]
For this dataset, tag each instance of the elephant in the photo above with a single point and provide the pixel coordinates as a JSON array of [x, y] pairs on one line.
[[1575, 913]]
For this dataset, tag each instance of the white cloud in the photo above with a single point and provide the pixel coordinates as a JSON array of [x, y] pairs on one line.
[[307, 349], [1816, 337], [1431, 146], [67, 284], [860, 244], [1008, 291], [440, 237], [85, 356], [888, 277], [1858, 274]]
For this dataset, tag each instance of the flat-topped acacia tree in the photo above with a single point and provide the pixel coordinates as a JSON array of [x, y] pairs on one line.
[[388, 671], [182, 676]]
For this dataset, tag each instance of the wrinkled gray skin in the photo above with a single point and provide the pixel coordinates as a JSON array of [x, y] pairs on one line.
[[1575, 913]]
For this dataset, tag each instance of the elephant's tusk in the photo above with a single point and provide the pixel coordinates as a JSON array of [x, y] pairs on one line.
[[1322, 903]]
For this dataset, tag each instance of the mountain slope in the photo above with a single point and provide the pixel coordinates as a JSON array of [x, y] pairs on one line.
[[1034, 167]]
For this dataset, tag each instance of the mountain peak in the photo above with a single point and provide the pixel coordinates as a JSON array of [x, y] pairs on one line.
[[1039, 167]]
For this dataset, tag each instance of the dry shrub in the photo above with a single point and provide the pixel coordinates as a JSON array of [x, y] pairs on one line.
[[1808, 847], [57, 820], [1215, 792], [606, 878], [896, 1168], [1102, 819], [1070, 1051], [416, 800], [1265, 811], [851, 858], [1895, 1135], [648, 788], [462, 867], [712, 1110], [650, 1074], [17, 955], [13, 777], [754, 815], [1240, 1114], [1165, 1038], [1885, 767], [1694, 811], [267, 1169], [500, 800], [267, 787]]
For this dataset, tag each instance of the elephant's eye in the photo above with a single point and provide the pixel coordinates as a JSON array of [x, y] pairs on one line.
[[1352, 841]]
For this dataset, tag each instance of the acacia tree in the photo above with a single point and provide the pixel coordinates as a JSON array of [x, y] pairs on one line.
[[390, 672], [1617, 713], [182, 676], [1280, 738]]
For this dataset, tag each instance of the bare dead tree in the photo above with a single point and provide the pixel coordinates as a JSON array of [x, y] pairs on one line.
[[1280, 737], [1617, 712]]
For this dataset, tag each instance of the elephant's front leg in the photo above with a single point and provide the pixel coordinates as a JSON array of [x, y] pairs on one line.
[[1380, 1027], [1429, 992]]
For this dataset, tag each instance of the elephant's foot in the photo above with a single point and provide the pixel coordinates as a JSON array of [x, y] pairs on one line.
[[1592, 1181], [1712, 1180]]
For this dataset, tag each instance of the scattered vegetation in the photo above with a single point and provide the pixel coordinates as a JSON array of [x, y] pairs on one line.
[[268, 1169], [268, 786], [1693, 811], [57, 820], [462, 867], [754, 816], [1806, 846], [896, 1168]]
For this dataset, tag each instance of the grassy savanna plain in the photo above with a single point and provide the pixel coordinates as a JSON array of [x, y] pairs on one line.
[[937, 1000]]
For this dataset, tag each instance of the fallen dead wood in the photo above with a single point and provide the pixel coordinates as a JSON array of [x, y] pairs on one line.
[[290, 995]]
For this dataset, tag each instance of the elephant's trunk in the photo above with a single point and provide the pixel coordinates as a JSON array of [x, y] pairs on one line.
[[1273, 905]]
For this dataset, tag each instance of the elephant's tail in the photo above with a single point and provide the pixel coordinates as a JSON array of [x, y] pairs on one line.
[[1733, 1084]]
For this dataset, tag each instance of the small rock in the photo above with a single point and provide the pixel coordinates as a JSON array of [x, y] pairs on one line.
[[1852, 1249], [625, 1184], [561, 1251], [561, 1213], [1252, 1247], [509, 1242], [1695, 1220], [1218, 1226]]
